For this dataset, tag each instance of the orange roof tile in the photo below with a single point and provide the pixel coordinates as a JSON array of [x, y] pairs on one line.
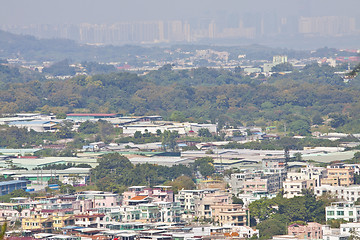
[[137, 198]]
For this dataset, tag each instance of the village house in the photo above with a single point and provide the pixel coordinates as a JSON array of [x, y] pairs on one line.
[[311, 230], [230, 214], [339, 175], [157, 193], [349, 193], [347, 211]]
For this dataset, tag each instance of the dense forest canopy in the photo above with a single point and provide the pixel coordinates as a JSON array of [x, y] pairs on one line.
[[301, 98]]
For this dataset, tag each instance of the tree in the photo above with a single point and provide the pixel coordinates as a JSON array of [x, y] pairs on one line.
[[298, 156], [335, 223], [110, 164], [287, 153], [137, 134], [83, 165], [182, 182], [61, 115], [55, 181], [61, 68], [67, 188], [65, 130], [355, 71], [236, 200], [205, 166], [3, 230], [271, 227], [300, 127], [19, 193], [168, 140], [282, 67], [158, 132], [317, 119], [301, 208], [338, 120], [88, 127], [177, 116], [354, 235], [204, 132]]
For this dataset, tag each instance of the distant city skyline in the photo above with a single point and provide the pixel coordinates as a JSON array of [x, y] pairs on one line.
[[112, 11], [172, 31], [163, 21]]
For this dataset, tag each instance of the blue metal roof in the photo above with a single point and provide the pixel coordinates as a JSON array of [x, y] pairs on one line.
[[71, 227], [36, 122], [12, 182]]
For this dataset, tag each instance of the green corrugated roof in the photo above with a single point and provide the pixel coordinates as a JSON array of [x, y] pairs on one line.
[[329, 157]]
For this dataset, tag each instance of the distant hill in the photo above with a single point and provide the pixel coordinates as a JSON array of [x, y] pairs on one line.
[[33, 49], [30, 48], [15, 74]]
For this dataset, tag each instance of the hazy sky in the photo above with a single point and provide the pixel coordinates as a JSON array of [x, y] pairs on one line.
[[110, 11]]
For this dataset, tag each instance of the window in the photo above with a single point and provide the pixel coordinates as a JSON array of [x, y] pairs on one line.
[[351, 213], [340, 213], [330, 213]]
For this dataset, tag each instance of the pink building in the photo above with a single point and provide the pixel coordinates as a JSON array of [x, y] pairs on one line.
[[100, 199], [312, 230], [256, 185]]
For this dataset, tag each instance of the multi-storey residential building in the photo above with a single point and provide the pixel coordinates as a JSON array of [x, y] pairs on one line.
[[47, 219], [348, 228], [203, 205], [150, 212], [274, 165], [157, 193], [338, 175], [83, 205], [129, 214], [237, 180], [100, 199], [14, 211], [259, 181], [89, 220], [187, 199], [37, 222], [266, 183], [350, 193], [311, 230], [170, 211], [256, 185], [293, 188], [312, 172], [230, 214], [343, 210], [61, 220]]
